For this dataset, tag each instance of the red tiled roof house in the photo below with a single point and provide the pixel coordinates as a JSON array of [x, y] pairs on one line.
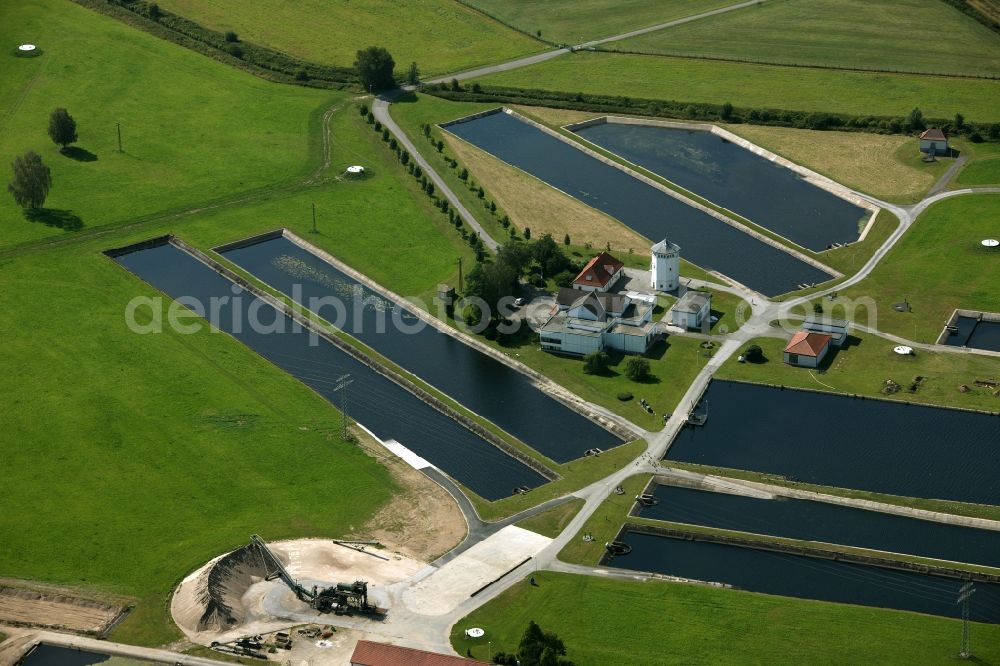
[[369, 653], [807, 349], [600, 273], [934, 142]]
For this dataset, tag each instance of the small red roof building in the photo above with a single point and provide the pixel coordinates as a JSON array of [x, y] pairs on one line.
[[599, 272], [806, 343], [369, 653], [934, 134]]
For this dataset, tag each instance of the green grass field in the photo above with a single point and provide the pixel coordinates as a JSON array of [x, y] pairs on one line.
[[939, 265], [577, 21], [752, 85], [862, 368], [658, 623], [442, 36], [924, 36], [552, 522], [193, 131], [980, 174], [131, 460]]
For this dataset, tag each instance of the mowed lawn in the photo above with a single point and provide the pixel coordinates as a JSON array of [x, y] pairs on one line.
[[440, 35], [193, 130], [939, 265], [759, 86], [577, 21], [863, 366], [131, 460], [891, 35], [657, 623]]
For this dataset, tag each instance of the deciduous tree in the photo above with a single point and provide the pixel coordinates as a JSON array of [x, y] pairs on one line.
[[375, 67], [32, 180], [62, 127]]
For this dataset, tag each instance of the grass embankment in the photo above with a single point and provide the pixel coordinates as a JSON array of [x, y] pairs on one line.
[[757, 86], [660, 623], [887, 35], [862, 367], [577, 21], [441, 36], [551, 523], [193, 130], [939, 265]]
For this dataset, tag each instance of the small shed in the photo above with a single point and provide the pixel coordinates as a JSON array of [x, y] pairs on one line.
[[692, 309], [807, 349], [934, 142], [446, 293]]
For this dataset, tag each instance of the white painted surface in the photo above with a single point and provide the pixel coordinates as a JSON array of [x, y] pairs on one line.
[[408, 456]]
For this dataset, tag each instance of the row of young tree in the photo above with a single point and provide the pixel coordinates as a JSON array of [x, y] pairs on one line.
[[32, 180]]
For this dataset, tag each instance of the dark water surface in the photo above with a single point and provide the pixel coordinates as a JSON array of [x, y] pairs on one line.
[[830, 523], [479, 382], [52, 655], [735, 178], [976, 334], [835, 440], [379, 404], [704, 240], [806, 577]]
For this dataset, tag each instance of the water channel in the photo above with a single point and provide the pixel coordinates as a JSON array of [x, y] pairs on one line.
[[836, 440], [704, 240], [478, 381], [735, 178], [828, 523], [382, 406], [806, 577]]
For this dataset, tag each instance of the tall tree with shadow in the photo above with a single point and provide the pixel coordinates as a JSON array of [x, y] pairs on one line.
[[32, 180], [375, 68], [62, 128]]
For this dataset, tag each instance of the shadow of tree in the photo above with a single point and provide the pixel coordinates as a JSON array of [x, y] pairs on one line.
[[54, 217], [79, 154]]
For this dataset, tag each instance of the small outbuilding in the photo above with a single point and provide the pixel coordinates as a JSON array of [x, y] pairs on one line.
[[934, 142], [692, 309], [807, 349]]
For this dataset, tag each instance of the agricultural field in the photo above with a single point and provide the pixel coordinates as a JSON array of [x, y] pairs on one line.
[[939, 265], [577, 21], [923, 36], [759, 86], [177, 110], [441, 36], [983, 170], [669, 623]]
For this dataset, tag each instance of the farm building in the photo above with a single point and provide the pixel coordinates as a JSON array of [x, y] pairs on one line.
[[692, 309], [934, 142], [807, 349]]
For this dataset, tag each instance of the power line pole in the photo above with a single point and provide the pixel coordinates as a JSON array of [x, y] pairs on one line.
[[460, 288], [120, 137], [314, 218], [342, 383], [964, 594]]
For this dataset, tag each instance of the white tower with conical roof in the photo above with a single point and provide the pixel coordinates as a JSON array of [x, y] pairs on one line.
[[665, 267]]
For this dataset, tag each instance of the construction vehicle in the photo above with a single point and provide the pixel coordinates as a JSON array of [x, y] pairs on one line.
[[342, 598]]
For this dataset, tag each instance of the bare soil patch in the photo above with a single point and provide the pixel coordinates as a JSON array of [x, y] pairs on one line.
[[45, 606]]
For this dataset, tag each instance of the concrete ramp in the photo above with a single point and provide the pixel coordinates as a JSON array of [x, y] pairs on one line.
[[477, 567]]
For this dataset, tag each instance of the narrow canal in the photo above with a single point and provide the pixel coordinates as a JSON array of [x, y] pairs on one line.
[[971, 332], [478, 381], [829, 523], [806, 577], [834, 440], [704, 240], [379, 404], [733, 177]]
